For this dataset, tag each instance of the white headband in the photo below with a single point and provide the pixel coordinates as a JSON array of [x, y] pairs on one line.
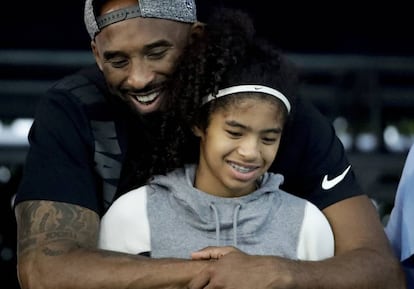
[[249, 88]]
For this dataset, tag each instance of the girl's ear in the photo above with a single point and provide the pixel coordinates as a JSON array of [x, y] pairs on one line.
[[197, 131]]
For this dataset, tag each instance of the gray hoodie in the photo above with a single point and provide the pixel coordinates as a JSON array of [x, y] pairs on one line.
[[171, 218]]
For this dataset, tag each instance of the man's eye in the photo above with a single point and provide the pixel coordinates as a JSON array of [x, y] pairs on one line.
[[157, 54], [118, 63]]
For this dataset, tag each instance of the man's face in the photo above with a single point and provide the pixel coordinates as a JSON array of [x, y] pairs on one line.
[[137, 55]]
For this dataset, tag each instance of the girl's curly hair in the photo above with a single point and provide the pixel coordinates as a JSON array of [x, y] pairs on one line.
[[227, 53]]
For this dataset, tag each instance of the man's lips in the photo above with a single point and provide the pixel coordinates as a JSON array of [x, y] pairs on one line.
[[148, 98]]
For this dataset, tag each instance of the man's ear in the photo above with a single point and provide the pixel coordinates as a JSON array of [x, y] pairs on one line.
[[197, 31], [96, 54]]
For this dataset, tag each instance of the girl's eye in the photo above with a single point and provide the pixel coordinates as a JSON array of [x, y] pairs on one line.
[[268, 140], [234, 133]]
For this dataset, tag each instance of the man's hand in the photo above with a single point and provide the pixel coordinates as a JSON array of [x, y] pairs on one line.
[[237, 270]]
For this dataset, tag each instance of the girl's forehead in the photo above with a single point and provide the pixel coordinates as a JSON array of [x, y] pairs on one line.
[[248, 108], [244, 101]]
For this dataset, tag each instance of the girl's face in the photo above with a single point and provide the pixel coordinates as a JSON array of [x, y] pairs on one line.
[[238, 146]]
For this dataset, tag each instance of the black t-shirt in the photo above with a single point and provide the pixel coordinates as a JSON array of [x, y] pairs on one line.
[[78, 143], [313, 160]]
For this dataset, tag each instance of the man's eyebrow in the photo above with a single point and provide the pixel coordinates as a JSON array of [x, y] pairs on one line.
[[159, 43], [112, 54]]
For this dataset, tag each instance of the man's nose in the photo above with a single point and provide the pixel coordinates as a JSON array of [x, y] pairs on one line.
[[140, 74]]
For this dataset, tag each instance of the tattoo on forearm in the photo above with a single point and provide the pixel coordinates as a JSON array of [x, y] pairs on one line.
[[42, 222], [50, 252], [60, 235], [42, 225]]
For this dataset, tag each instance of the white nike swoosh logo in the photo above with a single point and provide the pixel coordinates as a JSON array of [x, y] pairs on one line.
[[329, 184]]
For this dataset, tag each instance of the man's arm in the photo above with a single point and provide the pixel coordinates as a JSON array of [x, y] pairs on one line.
[[363, 259], [57, 249]]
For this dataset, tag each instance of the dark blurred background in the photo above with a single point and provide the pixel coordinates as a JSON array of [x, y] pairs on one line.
[[336, 27], [356, 59]]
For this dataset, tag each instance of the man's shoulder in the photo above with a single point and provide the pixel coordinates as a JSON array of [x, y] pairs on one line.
[[83, 95], [305, 133], [307, 116], [87, 84]]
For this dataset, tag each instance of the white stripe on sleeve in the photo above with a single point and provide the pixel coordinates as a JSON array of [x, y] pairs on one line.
[[316, 240], [125, 226]]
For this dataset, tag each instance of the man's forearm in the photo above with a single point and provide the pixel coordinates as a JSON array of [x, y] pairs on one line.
[[89, 269], [57, 249], [357, 269]]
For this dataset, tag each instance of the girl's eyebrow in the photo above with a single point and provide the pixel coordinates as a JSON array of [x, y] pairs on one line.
[[235, 124], [272, 130]]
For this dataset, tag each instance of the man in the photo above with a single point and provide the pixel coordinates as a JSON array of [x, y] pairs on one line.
[[79, 141]]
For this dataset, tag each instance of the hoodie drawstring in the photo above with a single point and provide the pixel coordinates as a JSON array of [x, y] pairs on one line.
[[235, 216], [217, 223]]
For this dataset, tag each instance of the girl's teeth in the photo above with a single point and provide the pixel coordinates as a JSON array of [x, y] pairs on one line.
[[241, 169]]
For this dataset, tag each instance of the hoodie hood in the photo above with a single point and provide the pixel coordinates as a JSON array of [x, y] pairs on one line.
[[227, 218]]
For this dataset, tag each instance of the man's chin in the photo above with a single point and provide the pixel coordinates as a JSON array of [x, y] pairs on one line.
[[145, 110]]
